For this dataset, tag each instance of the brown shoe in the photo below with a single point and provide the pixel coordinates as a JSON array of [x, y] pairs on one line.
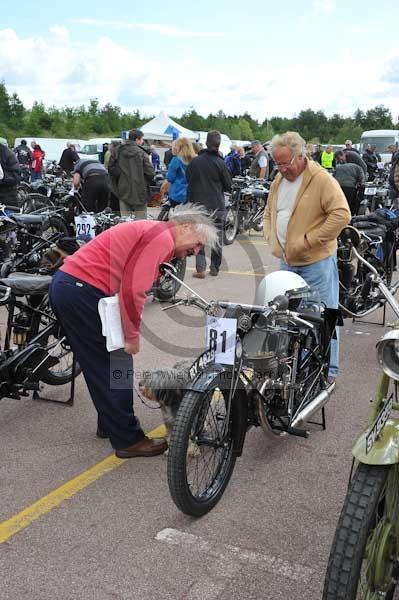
[[145, 447], [199, 274]]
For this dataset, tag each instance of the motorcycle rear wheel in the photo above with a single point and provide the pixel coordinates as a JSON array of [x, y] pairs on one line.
[[230, 227], [363, 564], [200, 464]]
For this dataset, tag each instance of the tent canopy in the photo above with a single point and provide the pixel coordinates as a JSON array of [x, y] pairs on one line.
[[163, 127]]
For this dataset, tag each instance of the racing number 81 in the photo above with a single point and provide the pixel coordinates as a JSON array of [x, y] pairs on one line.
[[213, 339]]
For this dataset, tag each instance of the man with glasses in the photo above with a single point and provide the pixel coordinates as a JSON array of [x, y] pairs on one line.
[[305, 213]]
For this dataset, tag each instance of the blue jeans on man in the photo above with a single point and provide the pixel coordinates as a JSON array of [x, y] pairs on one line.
[[323, 275]]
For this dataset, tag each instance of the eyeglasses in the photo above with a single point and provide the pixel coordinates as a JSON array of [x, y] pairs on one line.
[[280, 166]]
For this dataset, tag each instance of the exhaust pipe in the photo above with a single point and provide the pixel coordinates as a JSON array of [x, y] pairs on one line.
[[317, 403]]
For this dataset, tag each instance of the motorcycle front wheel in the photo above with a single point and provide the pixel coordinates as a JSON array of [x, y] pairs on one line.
[[200, 456], [363, 563], [166, 288]]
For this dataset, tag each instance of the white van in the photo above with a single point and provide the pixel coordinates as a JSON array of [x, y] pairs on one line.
[[381, 138], [53, 147], [94, 148]]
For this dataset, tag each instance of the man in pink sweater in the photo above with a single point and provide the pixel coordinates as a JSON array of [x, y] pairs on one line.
[[124, 260]]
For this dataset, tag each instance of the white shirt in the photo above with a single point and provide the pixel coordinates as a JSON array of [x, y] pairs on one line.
[[287, 193]]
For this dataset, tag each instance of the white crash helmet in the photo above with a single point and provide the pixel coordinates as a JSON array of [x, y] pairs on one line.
[[277, 284]]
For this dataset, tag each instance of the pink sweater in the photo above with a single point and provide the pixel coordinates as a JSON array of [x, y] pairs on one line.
[[125, 259]]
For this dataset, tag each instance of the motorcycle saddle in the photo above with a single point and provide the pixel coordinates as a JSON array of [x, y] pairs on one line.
[[29, 219], [27, 284]]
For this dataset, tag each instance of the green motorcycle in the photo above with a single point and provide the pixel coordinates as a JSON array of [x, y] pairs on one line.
[[364, 558]]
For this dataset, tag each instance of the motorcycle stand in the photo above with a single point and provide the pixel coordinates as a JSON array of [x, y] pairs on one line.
[[36, 396], [323, 419], [354, 320]]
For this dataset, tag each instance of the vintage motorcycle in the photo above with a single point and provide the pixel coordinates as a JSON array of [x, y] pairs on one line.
[[245, 206], [265, 365], [364, 558], [374, 237]]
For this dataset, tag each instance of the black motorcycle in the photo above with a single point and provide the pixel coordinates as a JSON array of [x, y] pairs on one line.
[[34, 350], [374, 237], [266, 365], [245, 207]]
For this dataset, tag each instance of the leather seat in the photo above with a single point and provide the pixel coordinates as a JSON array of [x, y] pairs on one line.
[[23, 284]]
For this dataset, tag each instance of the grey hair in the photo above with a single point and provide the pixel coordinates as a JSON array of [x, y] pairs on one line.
[[197, 216], [291, 140]]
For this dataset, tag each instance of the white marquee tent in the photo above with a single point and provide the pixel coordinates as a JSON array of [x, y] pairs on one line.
[[163, 128]]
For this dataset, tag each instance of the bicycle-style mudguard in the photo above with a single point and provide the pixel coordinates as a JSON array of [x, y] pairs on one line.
[[382, 450], [239, 408]]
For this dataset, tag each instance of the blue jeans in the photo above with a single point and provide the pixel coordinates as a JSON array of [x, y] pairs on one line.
[[323, 275], [35, 176]]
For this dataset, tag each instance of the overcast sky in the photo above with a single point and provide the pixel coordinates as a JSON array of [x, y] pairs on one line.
[[265, 57]]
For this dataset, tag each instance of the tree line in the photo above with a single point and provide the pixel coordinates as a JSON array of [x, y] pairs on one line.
[[85, 122]]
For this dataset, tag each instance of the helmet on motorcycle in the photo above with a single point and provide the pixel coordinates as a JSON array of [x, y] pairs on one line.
[[278, 284]]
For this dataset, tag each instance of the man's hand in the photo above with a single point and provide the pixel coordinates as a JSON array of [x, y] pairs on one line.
[[132, 348]]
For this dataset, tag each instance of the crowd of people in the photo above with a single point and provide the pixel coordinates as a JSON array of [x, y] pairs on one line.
[[306, 210]]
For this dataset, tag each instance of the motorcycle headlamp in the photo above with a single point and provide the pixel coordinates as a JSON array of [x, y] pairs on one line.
[[388, 354]]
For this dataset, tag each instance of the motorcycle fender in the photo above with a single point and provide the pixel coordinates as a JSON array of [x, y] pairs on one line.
[[239, 405], [384, 451]]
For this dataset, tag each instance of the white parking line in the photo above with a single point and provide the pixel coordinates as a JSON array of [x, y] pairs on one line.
[[231, 555]]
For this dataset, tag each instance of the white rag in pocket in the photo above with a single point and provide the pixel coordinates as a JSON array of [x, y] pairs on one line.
[[110, 315]]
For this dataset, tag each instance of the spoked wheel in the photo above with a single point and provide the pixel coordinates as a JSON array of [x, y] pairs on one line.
[[166, 287], [230, 227], [34, 202], [363, 563], [200, 458], [61, 372], [54, 225]]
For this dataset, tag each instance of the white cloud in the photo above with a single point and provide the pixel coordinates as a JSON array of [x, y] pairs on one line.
[[324, 7], [160, 28], [68, 73]]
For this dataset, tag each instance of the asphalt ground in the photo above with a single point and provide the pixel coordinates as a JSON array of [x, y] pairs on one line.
[[77, 523]]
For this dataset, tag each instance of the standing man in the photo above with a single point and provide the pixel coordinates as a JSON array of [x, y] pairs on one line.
[[69, 158], [260, 163], [351, 178], [305, 213], [132, 171], [350, 148], [371, 158], [9, 175], [93, 177], [317, 152], [155, 158], [208, 179], [328, 158], [24, 157]]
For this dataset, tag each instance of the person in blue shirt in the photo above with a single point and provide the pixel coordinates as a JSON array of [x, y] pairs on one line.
[[176, 175], [155, 158]]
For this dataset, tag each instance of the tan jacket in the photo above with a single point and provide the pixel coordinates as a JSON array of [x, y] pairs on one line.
[[320, 213]]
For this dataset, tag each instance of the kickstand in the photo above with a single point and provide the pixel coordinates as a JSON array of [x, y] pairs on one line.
[[71, 398], [323, 420]]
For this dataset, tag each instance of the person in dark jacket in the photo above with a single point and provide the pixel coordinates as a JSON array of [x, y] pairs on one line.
[[371, 158], [317, 153], [167, 157], [132, 171], [351, 179], [208, 179], [24, 157], [69, 158], [9, 176], [93, 177]]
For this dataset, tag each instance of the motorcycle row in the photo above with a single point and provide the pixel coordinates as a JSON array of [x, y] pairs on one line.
[[265, 364]]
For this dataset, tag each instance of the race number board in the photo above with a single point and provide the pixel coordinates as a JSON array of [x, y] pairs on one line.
[[221, 338], [85, 227]]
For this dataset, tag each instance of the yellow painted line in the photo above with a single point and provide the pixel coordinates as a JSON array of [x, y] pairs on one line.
[[43, 506], [245, 273]]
